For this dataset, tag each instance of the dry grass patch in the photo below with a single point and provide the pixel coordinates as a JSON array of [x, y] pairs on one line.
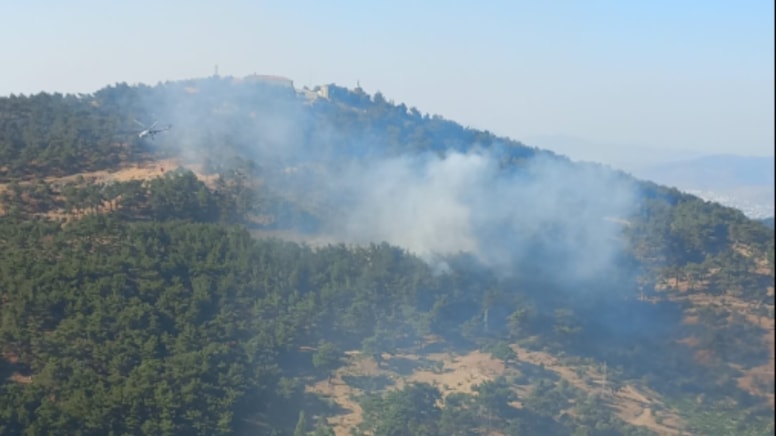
[[338, 391], [461, 373], [629, 403]]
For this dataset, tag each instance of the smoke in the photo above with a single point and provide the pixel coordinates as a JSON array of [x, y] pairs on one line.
[[423, 204], [546, 213]]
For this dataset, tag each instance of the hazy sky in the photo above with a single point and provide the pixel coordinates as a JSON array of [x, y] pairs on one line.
[[607, 76]]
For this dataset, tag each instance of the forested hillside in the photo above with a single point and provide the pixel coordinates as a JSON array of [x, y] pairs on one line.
[[281, 264]]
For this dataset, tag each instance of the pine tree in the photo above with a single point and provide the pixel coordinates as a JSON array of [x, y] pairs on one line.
[[301, 425]]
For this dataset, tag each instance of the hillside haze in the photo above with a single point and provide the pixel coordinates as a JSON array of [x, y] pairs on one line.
[[432, 198], [743, 182], [324, 260]]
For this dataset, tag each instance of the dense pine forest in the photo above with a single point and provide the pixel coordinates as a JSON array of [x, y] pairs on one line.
[[202, 281]]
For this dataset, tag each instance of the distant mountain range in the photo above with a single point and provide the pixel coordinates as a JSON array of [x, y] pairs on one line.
[[743, 182], [714, 172]]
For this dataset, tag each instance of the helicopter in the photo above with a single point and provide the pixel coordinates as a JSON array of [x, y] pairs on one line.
[[152, 130]]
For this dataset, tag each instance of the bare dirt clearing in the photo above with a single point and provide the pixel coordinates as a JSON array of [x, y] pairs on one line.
[[631, 404], [146, 170], [10, 371], [460, 373], [139, 171], [135, 171], [755, 380]]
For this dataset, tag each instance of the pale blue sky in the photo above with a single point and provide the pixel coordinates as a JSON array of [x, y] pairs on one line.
[[685, 75]]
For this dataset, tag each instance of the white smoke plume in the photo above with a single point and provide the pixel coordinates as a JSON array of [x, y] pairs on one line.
[[544, 211], [466, 203]]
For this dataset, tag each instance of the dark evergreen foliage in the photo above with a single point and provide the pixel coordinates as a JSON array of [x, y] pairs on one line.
[[156, 312]]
